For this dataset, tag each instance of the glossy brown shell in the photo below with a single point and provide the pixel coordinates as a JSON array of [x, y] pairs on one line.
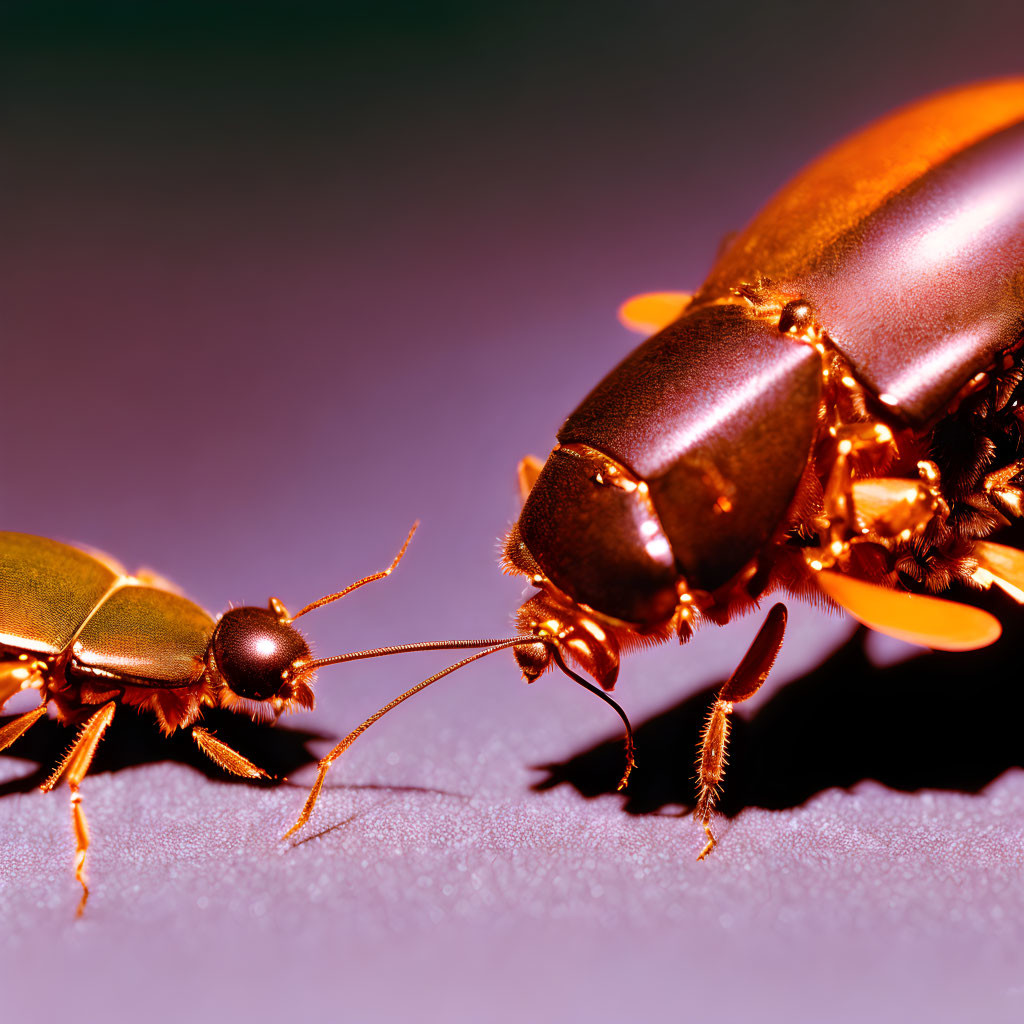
[[717, 414], [600, 544], [54, 597], [908, 240]]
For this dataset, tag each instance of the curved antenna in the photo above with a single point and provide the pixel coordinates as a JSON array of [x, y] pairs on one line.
[[360, 583], [426, 645], [329, 759], [490, 647], [630, 746]]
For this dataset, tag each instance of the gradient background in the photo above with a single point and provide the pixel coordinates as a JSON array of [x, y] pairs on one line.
[[278, 279]]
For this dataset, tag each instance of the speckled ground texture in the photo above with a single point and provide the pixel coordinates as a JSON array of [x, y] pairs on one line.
[[274, 288], [437, 886]]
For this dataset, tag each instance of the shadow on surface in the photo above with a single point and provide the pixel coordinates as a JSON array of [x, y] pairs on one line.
[[135, 740], [937, 721]]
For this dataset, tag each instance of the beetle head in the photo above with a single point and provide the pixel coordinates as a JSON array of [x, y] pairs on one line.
[[591, 644], [260, 658], [678, 469]]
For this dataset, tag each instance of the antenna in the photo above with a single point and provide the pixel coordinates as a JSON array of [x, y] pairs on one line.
[[490, 647]]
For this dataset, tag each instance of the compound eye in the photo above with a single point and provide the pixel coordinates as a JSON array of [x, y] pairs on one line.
[[252, 647]]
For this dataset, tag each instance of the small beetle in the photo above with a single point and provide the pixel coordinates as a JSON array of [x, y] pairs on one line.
[[87, 636], [834, 414], [75, 627]]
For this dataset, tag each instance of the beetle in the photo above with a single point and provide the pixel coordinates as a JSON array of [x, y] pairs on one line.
[[86, 636], [835, 414]]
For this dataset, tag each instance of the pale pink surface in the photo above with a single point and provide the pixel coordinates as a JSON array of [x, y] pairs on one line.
[[445, 889]]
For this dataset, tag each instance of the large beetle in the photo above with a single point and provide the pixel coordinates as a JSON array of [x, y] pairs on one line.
[[835, 414]]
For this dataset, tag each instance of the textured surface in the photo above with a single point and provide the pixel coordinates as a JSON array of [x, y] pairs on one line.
[[273, 290], [432, 861]]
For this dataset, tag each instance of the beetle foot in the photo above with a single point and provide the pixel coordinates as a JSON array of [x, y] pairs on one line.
[[81, 828], [711, 843]]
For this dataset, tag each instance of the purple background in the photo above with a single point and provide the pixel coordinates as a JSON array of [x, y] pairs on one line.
[[273, 285]]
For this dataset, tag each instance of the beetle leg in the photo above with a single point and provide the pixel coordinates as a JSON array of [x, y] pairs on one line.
[[76, 764], [15, 676], [891, 511], [528, 470], [743, 684], [227, 757], [650, 312], [12, 730], [1007, 498], [851, 440]]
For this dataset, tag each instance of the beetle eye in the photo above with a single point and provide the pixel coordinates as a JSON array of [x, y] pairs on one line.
[[252, 648]]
